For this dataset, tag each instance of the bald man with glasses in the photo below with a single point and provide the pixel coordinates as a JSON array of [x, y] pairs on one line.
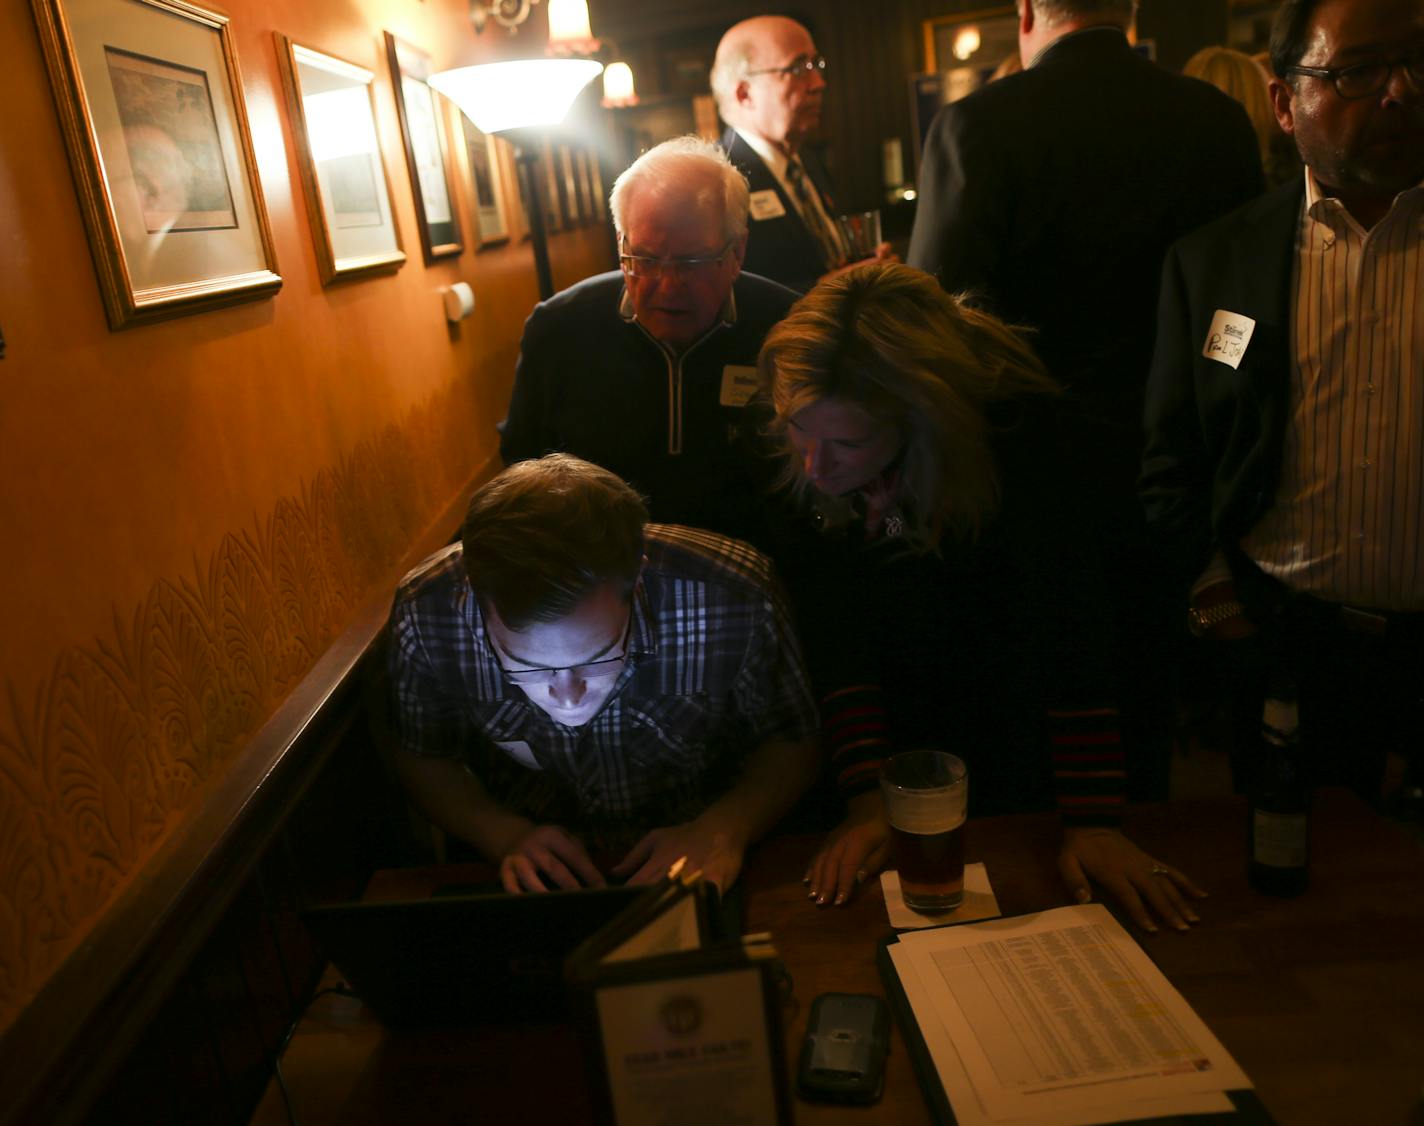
[[647, 371], [570, 682], [768, 80]]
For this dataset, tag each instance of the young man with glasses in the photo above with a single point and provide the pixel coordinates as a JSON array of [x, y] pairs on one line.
[[768, 81], [647, 371], [1286, 401], [570, 681]]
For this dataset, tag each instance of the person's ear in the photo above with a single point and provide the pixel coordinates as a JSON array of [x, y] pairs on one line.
[[739, 250], [1025, 17], [1281, 104], [743, 93]]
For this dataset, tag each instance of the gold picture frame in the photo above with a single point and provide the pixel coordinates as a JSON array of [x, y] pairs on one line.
[[487, 191], [150, 100], [570, 201], [426, 150], [343, 171]]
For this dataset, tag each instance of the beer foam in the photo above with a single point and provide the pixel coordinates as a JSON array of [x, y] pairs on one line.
[[933, 811]]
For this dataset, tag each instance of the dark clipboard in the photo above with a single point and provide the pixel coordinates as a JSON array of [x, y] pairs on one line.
[[1249, 1110]]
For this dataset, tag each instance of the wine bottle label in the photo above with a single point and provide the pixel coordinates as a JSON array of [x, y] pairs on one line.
[[1280, 839]]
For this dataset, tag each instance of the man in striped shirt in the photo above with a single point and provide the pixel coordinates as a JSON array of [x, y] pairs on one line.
[[568, 678], [1285, 407]]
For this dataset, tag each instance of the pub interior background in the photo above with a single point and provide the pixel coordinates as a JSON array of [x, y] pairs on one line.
[[206, 516]]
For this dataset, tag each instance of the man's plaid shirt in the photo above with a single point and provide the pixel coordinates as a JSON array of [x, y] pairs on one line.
[[714, 671]]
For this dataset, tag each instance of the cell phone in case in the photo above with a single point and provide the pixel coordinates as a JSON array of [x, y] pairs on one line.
[[843, 1054]]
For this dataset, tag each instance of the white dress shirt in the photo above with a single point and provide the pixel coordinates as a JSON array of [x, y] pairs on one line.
[[1348, 521]]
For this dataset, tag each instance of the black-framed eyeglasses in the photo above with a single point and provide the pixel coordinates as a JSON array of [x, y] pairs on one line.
[[590, 670], [1363, 80], [643, 266], [801, 68]]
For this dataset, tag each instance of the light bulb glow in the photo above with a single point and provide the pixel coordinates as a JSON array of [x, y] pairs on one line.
[[966, 42], [516, 95], [568, 21], [618, 84]]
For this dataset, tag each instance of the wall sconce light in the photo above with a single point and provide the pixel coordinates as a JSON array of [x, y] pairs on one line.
[[618, 87], [966, 42], [509, 14], [568, 26]]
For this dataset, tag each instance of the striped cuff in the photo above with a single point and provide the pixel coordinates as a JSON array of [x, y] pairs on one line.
[[1089, 768], [857, 736]]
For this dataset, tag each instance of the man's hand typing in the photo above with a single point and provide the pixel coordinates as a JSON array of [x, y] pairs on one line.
[[548, 853], [710, 848]]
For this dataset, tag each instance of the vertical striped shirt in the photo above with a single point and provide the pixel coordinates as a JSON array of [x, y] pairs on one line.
[[1348, 521]]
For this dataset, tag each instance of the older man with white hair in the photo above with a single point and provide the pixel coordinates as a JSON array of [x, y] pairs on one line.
[[647, 370]]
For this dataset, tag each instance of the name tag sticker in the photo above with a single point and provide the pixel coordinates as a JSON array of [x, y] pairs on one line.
[[739, 384], [520, 752], [1227, 338], [767, 205]]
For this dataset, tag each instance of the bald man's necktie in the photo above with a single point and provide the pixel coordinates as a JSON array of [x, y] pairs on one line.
[[831, 254]]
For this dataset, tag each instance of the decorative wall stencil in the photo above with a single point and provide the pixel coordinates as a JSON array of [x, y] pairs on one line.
[[125, 735]]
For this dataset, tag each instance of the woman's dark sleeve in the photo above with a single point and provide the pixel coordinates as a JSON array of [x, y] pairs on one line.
[[1070, 621]]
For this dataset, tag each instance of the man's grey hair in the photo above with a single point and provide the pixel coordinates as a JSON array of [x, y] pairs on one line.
[[685, 160], [1057, 11]]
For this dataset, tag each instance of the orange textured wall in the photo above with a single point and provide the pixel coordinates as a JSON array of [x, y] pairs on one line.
[[192, 510]]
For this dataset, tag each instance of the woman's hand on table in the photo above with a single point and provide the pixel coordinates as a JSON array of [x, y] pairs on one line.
[[852, 852], [1136, 880]]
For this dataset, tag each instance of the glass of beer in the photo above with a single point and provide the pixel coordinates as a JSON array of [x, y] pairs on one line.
[[927, 800], [861, 231]]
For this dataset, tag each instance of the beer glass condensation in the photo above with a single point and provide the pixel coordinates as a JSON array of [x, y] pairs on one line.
[[927, 801]]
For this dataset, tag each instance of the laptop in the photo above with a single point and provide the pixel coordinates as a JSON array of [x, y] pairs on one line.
[[473, 955]]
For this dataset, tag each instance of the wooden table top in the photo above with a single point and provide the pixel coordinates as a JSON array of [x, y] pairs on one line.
[[1319, 998]]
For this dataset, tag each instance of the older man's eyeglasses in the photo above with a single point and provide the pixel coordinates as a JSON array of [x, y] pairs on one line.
[[643, 266], [801, 68], [1364, 80]]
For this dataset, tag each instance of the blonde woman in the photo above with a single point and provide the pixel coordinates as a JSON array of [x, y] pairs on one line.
[[1241, 77], [943, 590]]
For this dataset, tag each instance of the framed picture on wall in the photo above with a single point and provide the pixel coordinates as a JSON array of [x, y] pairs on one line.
[[569, 193], [425, 152], [150, 99], [339, 157], [585, 175], [600, 197], [553, 185], [486, 183], [521, 192]]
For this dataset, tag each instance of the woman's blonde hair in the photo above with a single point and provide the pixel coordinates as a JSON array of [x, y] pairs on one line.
[[1243, 78], [888, 340]]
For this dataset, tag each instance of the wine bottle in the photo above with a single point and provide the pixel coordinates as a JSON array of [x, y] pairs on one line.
[[1279, 826]]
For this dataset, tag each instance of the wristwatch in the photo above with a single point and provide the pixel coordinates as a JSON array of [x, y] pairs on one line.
[[1200, 622]]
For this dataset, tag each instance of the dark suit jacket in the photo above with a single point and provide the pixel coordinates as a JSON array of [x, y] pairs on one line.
[[1056, 192], [1215, 435], [782, 248]]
